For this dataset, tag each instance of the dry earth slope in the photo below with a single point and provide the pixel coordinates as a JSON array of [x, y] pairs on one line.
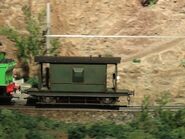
[[160, 69]]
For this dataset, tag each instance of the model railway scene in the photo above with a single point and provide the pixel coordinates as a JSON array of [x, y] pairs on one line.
[[93, 69], [76, 80], [68, 81]]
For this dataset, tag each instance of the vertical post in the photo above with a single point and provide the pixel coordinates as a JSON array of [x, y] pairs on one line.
[[41, 76], [116, 74], [48, 22]]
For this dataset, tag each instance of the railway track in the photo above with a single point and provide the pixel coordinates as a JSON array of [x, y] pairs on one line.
[[89, 107]]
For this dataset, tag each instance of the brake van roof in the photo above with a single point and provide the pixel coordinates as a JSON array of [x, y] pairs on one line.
[[77, 60]]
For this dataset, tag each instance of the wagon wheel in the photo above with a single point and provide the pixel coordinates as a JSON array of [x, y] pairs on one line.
[[108, 100], [31, 101], [49, 100]]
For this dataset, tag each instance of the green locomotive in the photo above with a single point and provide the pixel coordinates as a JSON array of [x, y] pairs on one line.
[[76, 80], [7, 86]]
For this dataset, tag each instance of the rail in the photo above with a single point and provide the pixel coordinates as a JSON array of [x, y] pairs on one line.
[[89, 107]]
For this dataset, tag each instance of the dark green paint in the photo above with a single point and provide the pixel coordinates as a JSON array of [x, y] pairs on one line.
[[78, 77]]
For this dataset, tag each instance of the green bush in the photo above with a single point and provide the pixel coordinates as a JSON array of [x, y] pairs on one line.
[[31, 43], [152, 2], [14, 125], [160, 124], [33, 81], [148, 2], [77, 132], [182, 63], [136, 60]]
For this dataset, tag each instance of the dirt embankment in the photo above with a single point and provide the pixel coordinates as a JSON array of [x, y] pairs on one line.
[[160, 68]]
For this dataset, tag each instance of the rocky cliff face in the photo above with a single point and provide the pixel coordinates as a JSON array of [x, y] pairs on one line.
[[160, 68]]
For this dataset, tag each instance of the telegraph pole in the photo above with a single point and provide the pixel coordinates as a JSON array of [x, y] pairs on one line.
[[48, 24]]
